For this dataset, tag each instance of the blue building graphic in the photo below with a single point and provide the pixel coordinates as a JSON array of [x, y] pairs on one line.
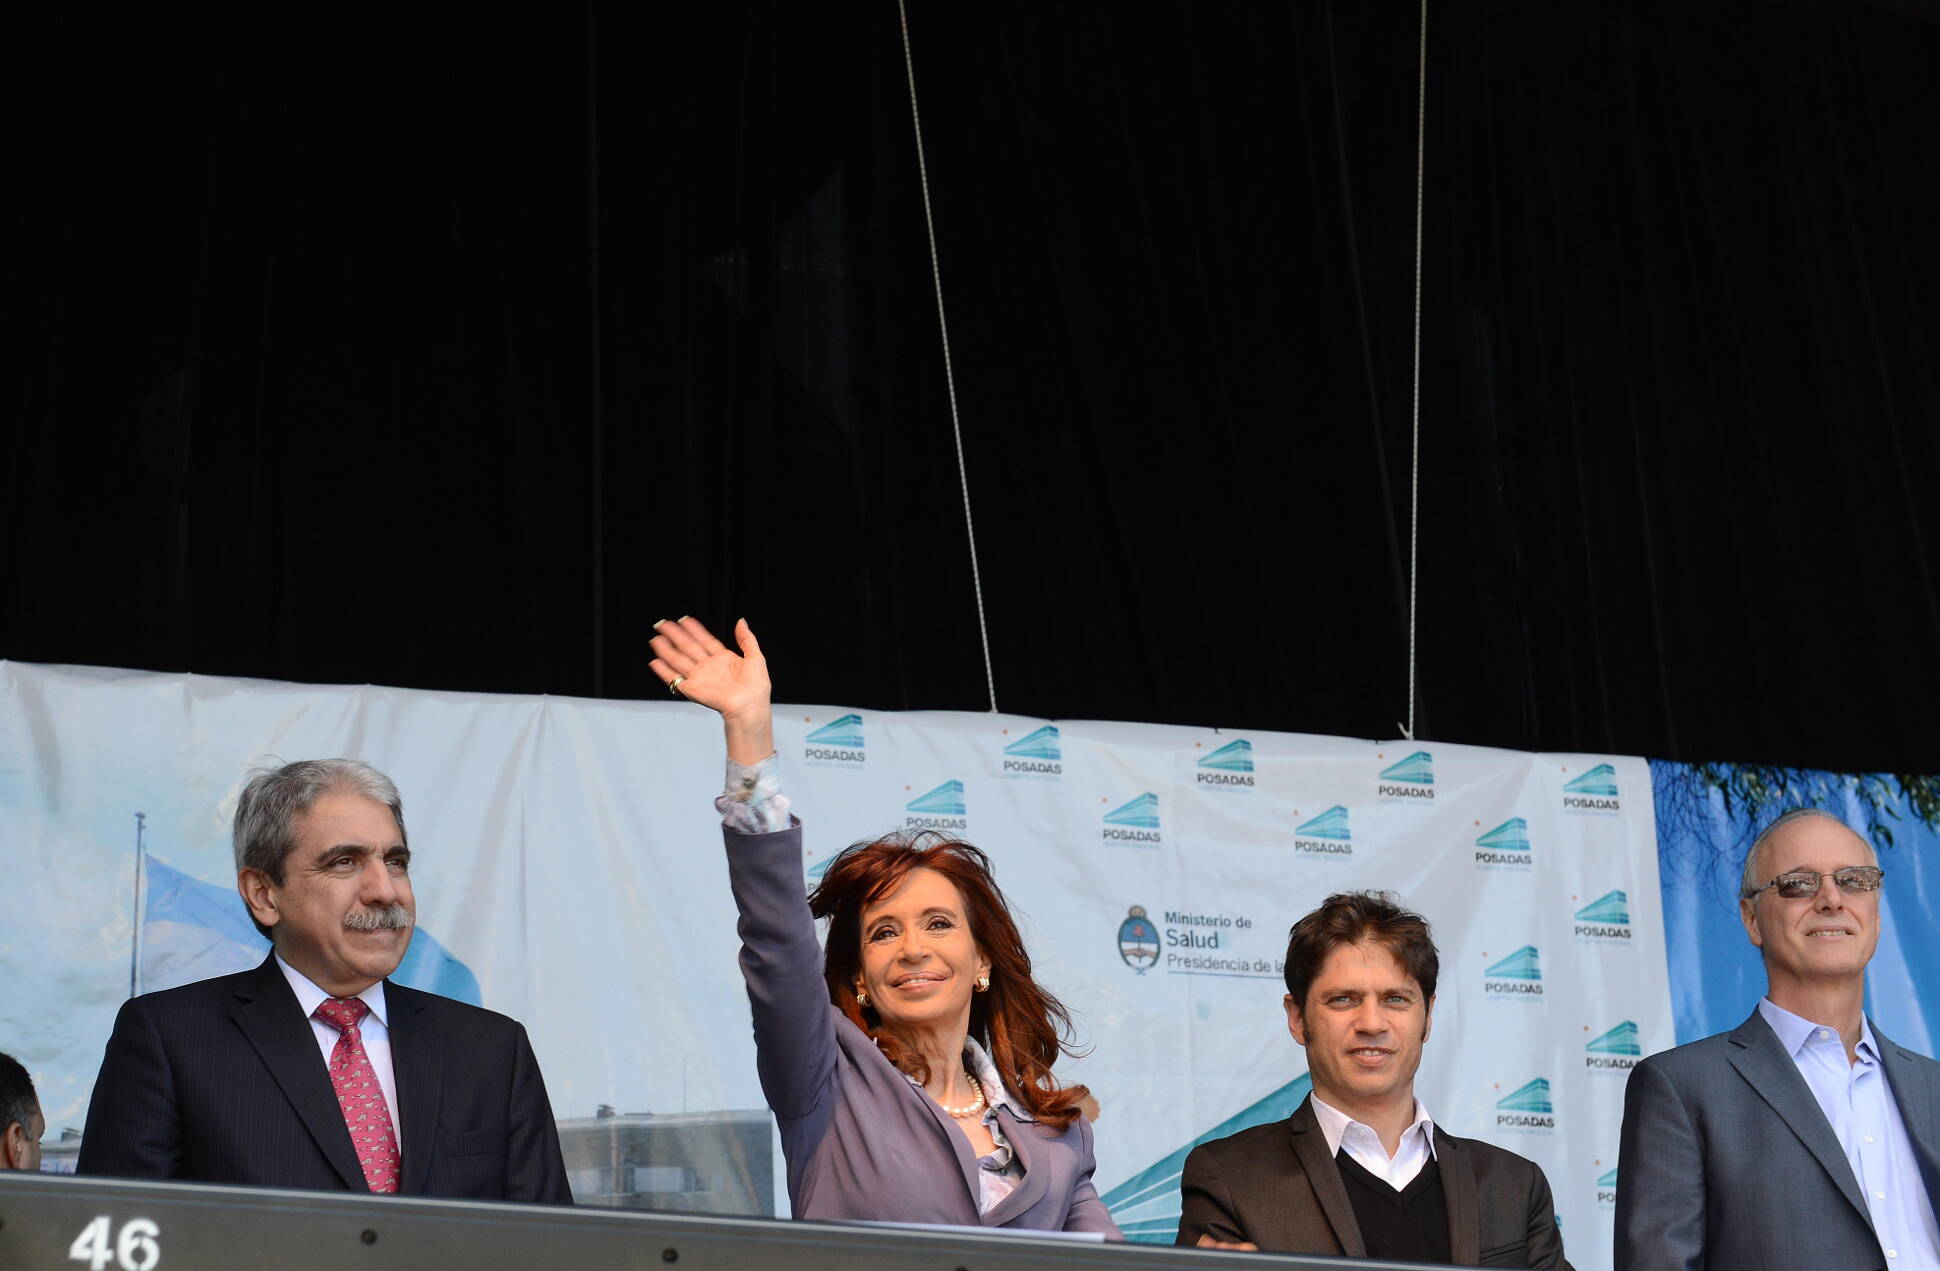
[[1520, 965], [1331, 824], [1511, 836], [1234, 756], [1600, 781], [1621, 1040], [1042, 744], [945, 800], [1417, 769], [1141, 813], [1611, 909], [1607, 1179], [846, 731], [1533, 1097], [1146, 1205]]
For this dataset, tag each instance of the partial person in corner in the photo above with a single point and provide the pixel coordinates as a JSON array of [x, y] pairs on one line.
[[1360, 1169], [21, 1124], [1802, 1137], [909, 1069]]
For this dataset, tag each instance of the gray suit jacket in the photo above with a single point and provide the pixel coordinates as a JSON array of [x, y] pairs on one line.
[[1728, 1162], [1278, 1186], [861, 1142]]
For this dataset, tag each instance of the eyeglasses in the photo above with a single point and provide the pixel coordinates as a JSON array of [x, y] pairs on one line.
[[1800, 884]]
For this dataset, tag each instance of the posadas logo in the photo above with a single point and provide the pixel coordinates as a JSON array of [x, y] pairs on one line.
[[1136, 822], [1507, 845], [1605, 918], [1228, 768], [1618, 1050], [1410, 780], [1325, 835], [836, 744], [1138, 940], [941, 809], [1606, 1189], [1037, 754], [1518, 976], [1594, 791], [1528, 1108]]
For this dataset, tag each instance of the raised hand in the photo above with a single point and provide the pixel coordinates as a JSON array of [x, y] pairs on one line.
[[691, 662]]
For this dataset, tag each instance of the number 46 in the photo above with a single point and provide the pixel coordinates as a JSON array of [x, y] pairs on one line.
[[135, 1248]]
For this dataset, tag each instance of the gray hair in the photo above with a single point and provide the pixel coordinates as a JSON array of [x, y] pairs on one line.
[[1751, 882], [273, 798]]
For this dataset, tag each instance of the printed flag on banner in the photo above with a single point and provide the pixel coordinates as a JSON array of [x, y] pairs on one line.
[[192, 930]]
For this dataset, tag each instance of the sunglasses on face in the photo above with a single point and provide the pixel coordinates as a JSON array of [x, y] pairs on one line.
[[1800, 884]]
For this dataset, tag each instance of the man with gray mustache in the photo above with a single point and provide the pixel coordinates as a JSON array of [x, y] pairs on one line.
[[313, 1070]]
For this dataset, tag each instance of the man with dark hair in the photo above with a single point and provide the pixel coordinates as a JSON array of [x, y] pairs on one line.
[[314, 1070], [21, 1124], [1802, 1137], [1360, 1169]]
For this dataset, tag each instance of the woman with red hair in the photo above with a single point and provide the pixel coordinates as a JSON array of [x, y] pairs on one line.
[[909, 1068]]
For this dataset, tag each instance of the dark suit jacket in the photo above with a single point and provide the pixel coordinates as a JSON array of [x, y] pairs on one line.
[[222, 1081], [1278, 1186], [1727, 1161]]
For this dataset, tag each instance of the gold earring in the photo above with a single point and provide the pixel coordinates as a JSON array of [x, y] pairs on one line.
[[983, 984], [861, 996]]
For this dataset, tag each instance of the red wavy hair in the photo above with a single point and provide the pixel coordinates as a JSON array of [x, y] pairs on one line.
[[1020, 1023]]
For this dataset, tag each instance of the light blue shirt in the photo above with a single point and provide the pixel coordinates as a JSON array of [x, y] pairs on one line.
[[1866, 1120]]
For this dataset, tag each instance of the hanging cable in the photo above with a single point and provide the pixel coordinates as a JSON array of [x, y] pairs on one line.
[[949, 374], [1414, 476]]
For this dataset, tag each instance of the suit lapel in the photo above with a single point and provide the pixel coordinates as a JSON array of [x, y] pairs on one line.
[[1458, 1193], [1036, 1183], [1913, 1094], [1761, 1060], [1323, 1175], [417, 1070], [271, 1019]]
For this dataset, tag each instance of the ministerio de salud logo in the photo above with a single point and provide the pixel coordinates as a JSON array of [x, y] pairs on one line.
[[1138, 940], [836, 744]]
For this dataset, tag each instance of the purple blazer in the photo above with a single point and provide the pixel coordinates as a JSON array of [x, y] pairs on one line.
[[861, 1142]]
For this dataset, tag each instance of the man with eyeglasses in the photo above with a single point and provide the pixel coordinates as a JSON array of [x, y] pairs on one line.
[[1803, 1137]]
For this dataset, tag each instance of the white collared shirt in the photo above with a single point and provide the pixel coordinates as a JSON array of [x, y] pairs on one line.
[[1363, 1145], [375, 1030]]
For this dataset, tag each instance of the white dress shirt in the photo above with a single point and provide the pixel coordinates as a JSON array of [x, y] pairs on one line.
[[374, 1030], [1363, 1145], [1856, 1099]]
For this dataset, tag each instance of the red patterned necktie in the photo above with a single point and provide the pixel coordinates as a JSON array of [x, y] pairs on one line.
[[361, 1098]]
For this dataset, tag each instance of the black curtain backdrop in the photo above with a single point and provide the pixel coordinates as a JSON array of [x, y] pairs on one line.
[[450, 345]]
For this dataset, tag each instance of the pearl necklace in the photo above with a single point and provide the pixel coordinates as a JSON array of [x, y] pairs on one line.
[[969, 1109]]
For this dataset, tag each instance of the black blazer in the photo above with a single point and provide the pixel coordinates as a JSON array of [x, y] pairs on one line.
[[222, 1081], [1278, 1186]]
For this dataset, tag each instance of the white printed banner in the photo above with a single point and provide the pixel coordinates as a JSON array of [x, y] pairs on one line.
[[568, 873]]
